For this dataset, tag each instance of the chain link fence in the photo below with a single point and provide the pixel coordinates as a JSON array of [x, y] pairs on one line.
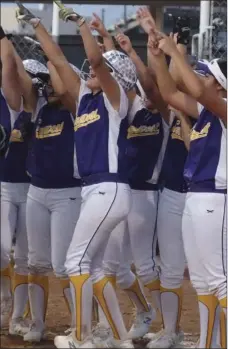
[[26, 47], [219, 32]]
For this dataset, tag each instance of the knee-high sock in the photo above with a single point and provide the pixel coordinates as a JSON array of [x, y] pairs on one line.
[[136, 294], [6, 283], [223, 330], [208, 308], [171, 306], [107, 299], [82, 295], [20, 295], [223, 304], [65, 283], [154, 288], [101, 316], [38, 296]]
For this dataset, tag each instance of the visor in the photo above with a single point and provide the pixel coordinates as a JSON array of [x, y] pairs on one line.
[[204, 68]]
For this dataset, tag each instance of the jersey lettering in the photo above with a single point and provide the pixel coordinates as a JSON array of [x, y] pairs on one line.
[[201, 134], [86, 119], [49, 131], [143, 131]]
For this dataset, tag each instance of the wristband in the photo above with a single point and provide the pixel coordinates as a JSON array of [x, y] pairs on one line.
[[80, 21], [2, 33]]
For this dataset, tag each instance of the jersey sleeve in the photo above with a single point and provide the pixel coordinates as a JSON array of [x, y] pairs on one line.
[[84, 90], [124, 103], [200, 108]]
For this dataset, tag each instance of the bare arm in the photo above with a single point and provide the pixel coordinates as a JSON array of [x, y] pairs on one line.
[[94, 55], [60, 89], [205, 95], [167, 86], [186, 127], [54, 53], [146, 80], [27, 89], [98, 25], [10, 78]]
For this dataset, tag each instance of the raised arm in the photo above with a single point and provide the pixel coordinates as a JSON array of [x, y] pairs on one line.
[[186, 127], [167, 86], [108, 84], [60, 89], [98, 25], [54, 53], [203, 93], [10, 78], [146, 80]]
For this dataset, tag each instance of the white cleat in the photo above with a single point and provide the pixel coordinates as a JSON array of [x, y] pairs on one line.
[[103, 338], [70, 341], [35, 333], [18, 327], [142, 324], [167, 340], [153, 336], [6, 308]]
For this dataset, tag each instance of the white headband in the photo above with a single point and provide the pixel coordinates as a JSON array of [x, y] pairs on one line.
[[218, 74]]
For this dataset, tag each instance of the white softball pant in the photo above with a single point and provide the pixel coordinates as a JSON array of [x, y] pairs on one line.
[[13, 221], [104, 206], [51, 217], [138, 233], [170, 241], [205, 242]]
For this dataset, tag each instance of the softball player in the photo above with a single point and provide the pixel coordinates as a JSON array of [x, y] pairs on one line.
[[14, 187], [146, 131], [53, 202], [204, 212], [100, 128], [169, 232]]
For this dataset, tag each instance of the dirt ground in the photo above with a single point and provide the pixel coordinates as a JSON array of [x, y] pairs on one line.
[[58, 318]]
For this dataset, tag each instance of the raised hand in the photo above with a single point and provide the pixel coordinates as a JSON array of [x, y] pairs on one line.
[[145, 19], [97, 24], [25, 16], [124, 42], [153, 43], [167, 44], [68, 14]]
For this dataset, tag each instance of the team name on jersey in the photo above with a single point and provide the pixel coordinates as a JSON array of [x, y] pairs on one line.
[[49, 131], [143, 131], [200, 134], [16, 136], [86, 119], [176, 131]]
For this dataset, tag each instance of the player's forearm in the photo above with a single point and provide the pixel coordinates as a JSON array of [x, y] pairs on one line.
[[193, 84], [186, 128], [49, 46], [108, 42], [166, 85], [10, 78], [92, 49]]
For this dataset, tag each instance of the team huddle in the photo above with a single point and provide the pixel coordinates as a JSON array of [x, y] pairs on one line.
[[100, 167]]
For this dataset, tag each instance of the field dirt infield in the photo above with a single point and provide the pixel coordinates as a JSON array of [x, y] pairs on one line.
[[58, 319]]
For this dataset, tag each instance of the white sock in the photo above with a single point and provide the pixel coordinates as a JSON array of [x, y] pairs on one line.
[[38, 297], [107, 299], [68, 296], [20, 299], [5, 287], [171, 304], [208, 309]]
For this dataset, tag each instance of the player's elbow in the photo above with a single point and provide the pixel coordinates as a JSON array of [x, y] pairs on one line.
[[96, 61]]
